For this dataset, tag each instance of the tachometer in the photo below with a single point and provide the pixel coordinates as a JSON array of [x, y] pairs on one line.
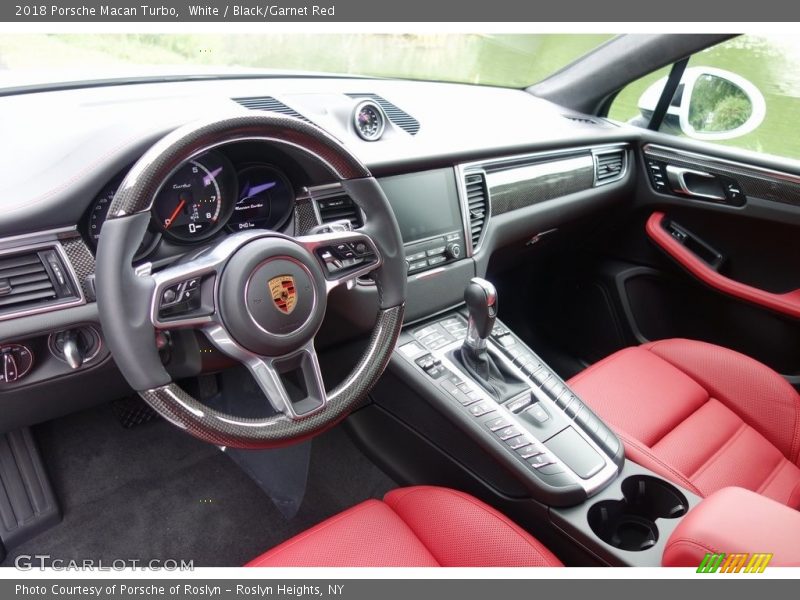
[[266, 198], [195, 201], [99, 213]]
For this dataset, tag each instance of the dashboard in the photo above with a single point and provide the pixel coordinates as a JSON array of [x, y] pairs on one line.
[[461, 188]]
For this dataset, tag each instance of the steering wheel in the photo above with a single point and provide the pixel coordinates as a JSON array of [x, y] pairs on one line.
[[259, 296]]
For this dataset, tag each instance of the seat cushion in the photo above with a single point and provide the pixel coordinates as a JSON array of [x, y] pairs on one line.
[[703, 416], [413, 527]]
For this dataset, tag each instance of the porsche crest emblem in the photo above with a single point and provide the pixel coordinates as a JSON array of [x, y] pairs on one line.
[[284, 293]]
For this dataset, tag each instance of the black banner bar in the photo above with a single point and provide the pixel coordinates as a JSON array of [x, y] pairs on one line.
[[130, 11], [709, 586]]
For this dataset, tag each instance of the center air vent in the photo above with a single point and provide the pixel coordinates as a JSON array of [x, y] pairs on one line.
[[269, 104], [609, 165], [477, 205], [339, 208], [30, 281]]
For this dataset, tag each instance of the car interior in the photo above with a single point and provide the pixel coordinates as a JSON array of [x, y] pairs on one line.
[[346, 321]]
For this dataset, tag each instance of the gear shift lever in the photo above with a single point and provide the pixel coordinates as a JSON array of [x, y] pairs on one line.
[[481, 299]]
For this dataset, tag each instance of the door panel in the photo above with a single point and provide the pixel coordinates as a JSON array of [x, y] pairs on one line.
[[681, 264]]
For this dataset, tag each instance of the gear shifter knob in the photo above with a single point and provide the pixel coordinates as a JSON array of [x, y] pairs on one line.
[[481, 299]]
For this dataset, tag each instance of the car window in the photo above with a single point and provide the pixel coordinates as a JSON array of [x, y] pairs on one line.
[[743, 93], [507, 60]]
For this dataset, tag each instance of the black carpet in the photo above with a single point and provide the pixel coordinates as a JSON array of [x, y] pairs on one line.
[[153, 492]]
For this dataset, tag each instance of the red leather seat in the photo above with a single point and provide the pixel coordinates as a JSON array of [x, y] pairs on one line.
[[703, 416], [413, 527]]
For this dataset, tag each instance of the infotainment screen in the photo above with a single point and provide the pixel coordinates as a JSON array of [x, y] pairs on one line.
[[425, 204]]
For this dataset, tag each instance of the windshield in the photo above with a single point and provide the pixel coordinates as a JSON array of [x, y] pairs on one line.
[[498, 60]]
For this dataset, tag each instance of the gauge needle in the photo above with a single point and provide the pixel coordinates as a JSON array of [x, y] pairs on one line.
[[171, 219]]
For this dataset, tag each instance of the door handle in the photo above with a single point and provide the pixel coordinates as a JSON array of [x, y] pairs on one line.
[[677, 179]]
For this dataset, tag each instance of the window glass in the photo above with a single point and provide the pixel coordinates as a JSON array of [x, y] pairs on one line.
[[744, 93]]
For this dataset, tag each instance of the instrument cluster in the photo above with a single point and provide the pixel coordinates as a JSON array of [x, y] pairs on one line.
[[205, 195]]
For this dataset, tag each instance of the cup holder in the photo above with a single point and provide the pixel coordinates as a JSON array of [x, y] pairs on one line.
[[630, 523]]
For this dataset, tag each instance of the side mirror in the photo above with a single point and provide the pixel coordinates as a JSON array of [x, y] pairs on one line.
[[709, 104]]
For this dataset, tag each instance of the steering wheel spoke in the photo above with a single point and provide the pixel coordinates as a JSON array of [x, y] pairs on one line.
[[343, 255], [270, 373]]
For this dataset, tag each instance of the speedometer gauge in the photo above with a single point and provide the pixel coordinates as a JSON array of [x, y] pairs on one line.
[[266, 198], [195, 201]]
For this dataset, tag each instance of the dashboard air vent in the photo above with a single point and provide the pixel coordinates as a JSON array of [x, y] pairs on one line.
[[399, 117], [269, 104], [581, 120], [339, 208], [477, 205], [609, 165], [31, 280]]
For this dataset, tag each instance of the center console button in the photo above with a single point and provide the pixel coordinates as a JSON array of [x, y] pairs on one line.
[[426, 331], [563, 399], [497, 423], [551, 469], [550, 385], [508, 432], [573, 407], [529, 451], [499, 330], [481, 408], [435, 260], [507, 341], [517, 404], [588, 420], [558, 389], [540, 460], [534, 367], [538, 412], [541, 376], [518, 442], [514, 352]]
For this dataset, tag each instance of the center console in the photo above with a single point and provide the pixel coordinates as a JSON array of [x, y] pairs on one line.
[[532, 423], [539, 428]]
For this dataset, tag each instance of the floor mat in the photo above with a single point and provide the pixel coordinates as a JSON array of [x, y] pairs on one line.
[[153, 492]]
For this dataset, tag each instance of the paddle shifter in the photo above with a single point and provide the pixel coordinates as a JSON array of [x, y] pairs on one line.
[[481, 299]]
